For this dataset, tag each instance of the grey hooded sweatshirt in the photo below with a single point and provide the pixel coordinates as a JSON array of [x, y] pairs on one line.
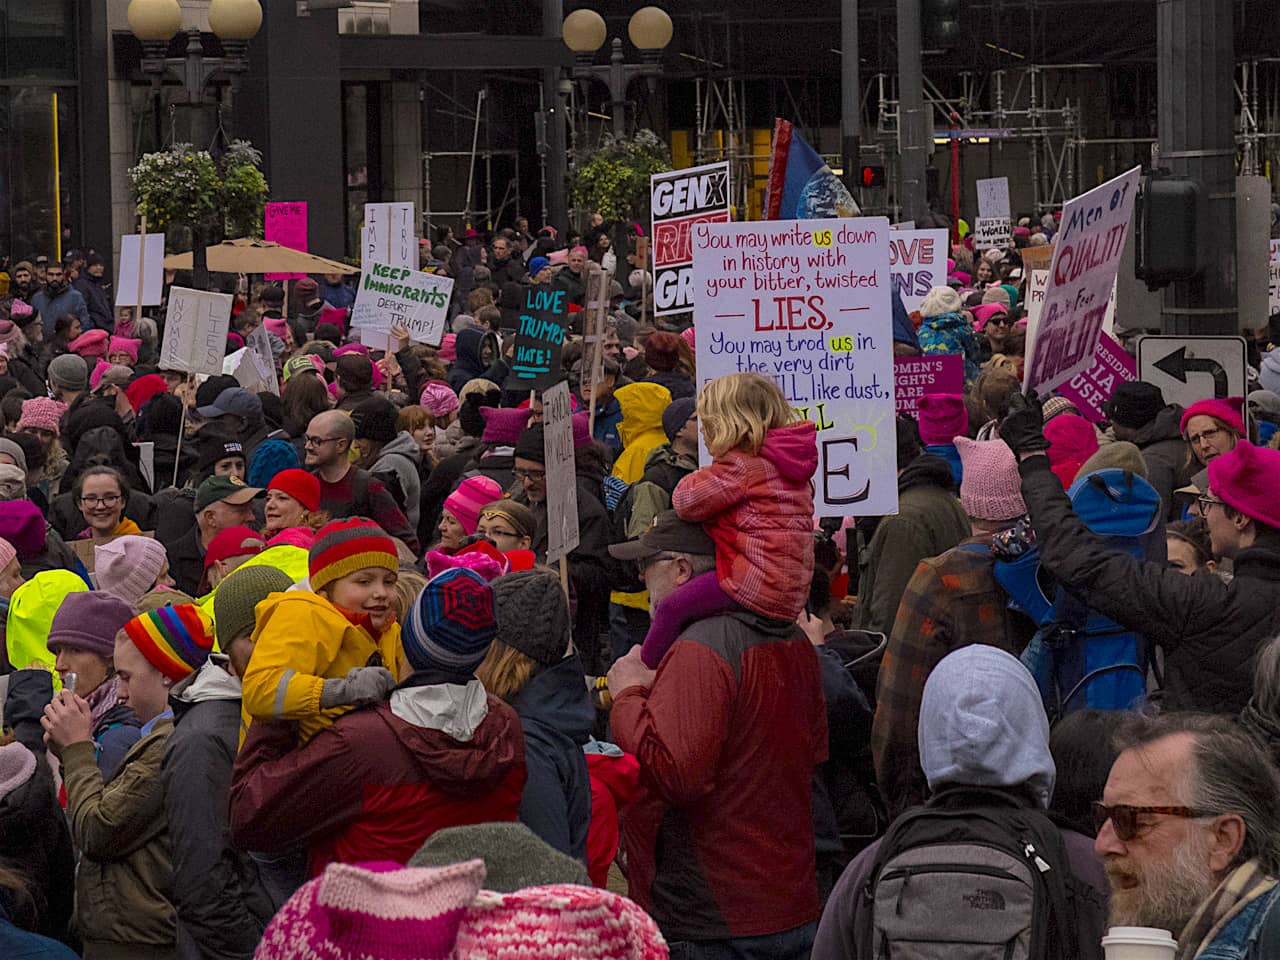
[[982, 724]]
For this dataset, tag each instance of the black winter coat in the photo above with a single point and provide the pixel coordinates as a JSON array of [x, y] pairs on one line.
[[35, 841], [1210, 630]]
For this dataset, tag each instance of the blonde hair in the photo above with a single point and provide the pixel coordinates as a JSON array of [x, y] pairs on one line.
[[736, 411], [505, 671], [408, 586]]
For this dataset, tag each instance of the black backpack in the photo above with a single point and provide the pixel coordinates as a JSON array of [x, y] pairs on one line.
[[972, 875]]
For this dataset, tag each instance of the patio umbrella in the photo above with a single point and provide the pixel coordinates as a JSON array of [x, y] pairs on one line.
[[259, 256]]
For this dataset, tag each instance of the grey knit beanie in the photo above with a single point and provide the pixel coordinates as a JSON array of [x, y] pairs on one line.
[[533, 614], [237, 596], [69, 372], [514, 856]]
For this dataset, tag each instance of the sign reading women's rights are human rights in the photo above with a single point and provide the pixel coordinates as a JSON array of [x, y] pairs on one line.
[[807, 304]]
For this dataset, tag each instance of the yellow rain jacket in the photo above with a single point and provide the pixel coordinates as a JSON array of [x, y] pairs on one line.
[[31, 610], [301, 639], [289, 560], [641, 433]]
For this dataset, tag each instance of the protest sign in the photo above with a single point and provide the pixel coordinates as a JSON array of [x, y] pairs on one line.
[[680, 199], [1091, 388], [917, 262], [147, 461], [151, 268], [1037, 287], [1086, 256], [807, 304], [1273, 279], [991, 232], [540, 332], [286, 224], [914, 377], [389, 236], [1038, 257], [562, 480], [391, 296], [264, 364], [993, 198], [195, 331]]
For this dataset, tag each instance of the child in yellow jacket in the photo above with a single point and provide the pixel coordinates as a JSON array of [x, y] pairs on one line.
[[319, 654]]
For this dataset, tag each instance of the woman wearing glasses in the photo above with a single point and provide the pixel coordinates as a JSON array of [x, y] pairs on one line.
[[101, 494]]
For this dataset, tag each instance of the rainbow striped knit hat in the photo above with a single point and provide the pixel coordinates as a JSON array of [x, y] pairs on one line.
[[345, 546], [175, 640]]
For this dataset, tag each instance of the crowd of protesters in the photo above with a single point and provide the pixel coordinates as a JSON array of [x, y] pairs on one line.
[[286, 672]]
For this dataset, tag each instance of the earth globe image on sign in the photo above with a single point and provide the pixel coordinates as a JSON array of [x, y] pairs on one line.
[[824, 196]]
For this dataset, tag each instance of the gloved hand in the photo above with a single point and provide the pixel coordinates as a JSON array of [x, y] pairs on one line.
[[360, 686], [1023, 426]]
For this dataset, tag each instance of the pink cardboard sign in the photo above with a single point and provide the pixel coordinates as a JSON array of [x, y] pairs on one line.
[[1091, 388], [913, 377], [286, 224]]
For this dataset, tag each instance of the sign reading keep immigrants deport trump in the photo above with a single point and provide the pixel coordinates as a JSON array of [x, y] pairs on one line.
[[399, 297], [806, 304], [680, 200]]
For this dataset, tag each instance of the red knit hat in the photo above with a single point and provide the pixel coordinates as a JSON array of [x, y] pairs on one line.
[[345, 546], [1246, 478], [1225, 411], [299, 484]]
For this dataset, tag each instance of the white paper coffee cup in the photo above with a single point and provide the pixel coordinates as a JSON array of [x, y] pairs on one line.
[[1139, 943]]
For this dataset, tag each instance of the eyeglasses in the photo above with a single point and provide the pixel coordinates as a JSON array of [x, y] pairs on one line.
[[1207, 501], [1000, 320], [319, 441], [509, 534], [1206, 436], [657, 558], [1124, 818], [110, 500], [529, 474]]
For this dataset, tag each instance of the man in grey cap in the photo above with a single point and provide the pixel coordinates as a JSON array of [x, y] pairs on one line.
[[68, 378], [111, 388], [734, 712], [237, 414]]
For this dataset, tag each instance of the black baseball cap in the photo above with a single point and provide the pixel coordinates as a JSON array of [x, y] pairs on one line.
[[667, 534]]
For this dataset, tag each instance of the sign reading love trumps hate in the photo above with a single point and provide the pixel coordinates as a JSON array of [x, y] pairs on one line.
[[806, 303], [540, 333]]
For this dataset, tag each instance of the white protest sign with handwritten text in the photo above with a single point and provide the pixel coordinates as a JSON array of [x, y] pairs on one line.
[[917, 262], [806, 303], [563, 536], [392, 296], [195, 331]]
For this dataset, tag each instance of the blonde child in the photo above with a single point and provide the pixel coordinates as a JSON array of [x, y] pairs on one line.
[[320, 653], [756, 502]]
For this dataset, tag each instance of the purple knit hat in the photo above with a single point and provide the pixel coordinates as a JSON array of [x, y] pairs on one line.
[[991, 488], [89, 621], [503, 424], [24, 526], [943, 417], [350, 913]]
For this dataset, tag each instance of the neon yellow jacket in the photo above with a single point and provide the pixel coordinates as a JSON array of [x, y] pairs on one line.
[[301, 639], [31, 610], [641, 432], [290, 560]]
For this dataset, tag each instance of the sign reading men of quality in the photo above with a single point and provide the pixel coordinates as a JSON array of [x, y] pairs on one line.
[[562, 485], [806, 303], [680, 200], [195, 331], [1086, 257], [397, 296], [539, 339]]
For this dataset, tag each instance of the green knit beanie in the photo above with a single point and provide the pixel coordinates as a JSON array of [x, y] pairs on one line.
[[514, 856], [238, 594]]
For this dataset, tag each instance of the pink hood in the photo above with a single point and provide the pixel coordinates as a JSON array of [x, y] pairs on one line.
[[793, 450]]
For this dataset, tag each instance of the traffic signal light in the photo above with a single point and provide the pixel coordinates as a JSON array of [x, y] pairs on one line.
[[940, 24], [1170, 217], [872, 176]]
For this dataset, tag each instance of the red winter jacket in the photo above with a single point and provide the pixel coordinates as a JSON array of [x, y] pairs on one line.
[[374, 786], [759, 512], [615, 781]]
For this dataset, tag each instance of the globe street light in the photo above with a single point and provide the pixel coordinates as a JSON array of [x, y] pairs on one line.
[[584, 33]]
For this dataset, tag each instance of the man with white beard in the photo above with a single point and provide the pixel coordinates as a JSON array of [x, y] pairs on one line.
[[1189, 833]]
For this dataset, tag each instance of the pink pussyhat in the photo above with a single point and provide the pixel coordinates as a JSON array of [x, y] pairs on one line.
[[943, 417], [1247, 477], [991, 488], [1225, 411]]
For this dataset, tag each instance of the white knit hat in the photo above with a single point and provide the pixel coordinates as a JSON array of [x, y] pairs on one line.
[[940, 300], [127, 567]]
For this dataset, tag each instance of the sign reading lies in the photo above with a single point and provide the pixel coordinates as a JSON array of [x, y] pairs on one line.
[[195, 331]]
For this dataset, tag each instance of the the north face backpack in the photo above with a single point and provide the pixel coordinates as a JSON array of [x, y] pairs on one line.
[[1079, 657], [973, 875]]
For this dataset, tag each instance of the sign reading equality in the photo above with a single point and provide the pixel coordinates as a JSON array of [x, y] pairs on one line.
[[680, 200]]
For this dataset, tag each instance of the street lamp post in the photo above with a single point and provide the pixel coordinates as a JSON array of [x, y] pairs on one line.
[[155, 23], [584, 33]]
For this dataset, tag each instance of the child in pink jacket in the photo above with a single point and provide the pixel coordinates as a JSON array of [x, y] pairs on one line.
[[756, 502]]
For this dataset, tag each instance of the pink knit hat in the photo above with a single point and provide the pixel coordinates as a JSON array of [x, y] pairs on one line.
[[581, 430], [448, 348], [503, 424], [943, 417], [7, 553], [91, 344], [353, 913], [1247, 478], [991, 488], [438, 398], [127, 567], [124, 345], [1225, 411], [1072, 441], [558, 921], [688, 336], [43, 414], [276, 325], [984, 312], [17, 764], [472, 495]]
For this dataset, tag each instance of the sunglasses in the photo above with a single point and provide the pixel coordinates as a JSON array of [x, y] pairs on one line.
[[1124, 818]]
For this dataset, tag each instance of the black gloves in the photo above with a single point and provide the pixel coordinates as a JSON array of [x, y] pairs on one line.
[[1023, 426]]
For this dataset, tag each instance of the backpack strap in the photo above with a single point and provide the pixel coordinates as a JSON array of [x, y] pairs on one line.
[[360, 493]]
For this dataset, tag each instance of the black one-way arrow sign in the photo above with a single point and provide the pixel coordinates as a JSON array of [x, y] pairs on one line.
[[1178, 365]]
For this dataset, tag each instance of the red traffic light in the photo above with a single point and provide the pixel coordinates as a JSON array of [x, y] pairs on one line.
[[873, 176]]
